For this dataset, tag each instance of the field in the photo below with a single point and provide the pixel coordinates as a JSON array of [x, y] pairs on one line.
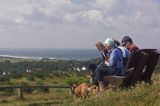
[[39, 96], [141, 95]]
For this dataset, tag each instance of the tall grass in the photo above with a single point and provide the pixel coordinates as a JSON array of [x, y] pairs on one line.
[[141, 95], [38, 96]]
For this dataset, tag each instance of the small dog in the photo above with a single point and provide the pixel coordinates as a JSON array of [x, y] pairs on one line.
[[81, 90]]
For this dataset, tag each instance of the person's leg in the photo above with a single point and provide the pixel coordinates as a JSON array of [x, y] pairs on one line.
[[99, 76], [115, 71]]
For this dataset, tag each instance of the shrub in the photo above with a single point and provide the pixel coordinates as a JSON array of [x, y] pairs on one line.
[[40, 75], [44, 90], [4, 78], [31, 77], [7, 91], [27, 90]]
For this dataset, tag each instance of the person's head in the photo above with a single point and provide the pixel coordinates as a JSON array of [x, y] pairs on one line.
[[99, 46], [117, 43], [109, 43], [126, 41]]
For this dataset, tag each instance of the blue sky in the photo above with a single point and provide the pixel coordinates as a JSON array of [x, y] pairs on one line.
[[77, 23]]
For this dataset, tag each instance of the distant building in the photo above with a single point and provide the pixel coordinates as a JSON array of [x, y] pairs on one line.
[[33, 70], [84, 68], [4, 73], [28, 71], [78, 69]]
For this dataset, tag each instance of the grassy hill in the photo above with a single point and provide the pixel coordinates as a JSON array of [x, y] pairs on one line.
[[140, 95], [32, 96]]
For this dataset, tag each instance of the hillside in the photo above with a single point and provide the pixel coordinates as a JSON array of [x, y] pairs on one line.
[[141, 95]]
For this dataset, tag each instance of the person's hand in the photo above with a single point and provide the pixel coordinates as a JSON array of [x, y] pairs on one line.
[[107, 63]]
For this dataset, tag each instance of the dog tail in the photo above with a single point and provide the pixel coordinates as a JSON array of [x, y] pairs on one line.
[[91, 88]]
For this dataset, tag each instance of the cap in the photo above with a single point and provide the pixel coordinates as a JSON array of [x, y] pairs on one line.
[[126, 39]]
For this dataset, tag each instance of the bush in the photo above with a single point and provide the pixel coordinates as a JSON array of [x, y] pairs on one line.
[[40, 75], [4, 101], [7, 91], [5, 78], [27, 90], [16, 76], [44, 90], [31, 77]]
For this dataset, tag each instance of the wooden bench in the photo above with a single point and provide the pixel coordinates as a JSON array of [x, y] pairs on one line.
[[139, 67], [151, 63]]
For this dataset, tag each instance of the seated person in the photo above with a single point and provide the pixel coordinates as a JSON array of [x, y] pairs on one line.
[[115, 63], [103, 51], [128, 43], [92, 67]]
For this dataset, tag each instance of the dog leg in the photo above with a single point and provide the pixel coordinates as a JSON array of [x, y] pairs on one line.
[[84, 93]]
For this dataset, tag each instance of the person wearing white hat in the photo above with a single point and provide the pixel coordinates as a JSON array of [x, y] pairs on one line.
[[115, 63]]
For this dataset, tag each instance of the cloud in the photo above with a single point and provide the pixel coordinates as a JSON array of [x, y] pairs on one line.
[[77, 23]]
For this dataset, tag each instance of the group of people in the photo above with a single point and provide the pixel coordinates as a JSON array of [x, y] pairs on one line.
[[114, 58]]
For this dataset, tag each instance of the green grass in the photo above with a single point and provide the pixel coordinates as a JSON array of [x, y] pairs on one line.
[[55, 96], [141, 95], [46, 79]]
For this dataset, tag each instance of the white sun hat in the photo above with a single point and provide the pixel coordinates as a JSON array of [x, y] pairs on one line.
[[109, 42]]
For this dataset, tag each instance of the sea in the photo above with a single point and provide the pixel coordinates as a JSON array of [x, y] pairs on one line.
[[61, 54]]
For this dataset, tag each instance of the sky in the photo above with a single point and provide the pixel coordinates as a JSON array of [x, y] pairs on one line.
[[78, 23]]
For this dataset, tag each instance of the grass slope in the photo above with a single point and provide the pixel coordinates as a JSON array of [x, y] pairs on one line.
[[141, 95]]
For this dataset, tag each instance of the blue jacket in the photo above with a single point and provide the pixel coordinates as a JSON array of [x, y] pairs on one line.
[[116, 66]]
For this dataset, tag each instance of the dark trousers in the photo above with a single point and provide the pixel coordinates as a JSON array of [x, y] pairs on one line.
[[103, 70], [100, 71]]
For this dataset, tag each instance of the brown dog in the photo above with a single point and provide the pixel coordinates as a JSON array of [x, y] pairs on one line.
[[81, 90]]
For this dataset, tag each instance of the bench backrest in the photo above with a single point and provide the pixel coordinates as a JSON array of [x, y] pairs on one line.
[[151, 63], [143, 63], [132, 60], [137, 73]]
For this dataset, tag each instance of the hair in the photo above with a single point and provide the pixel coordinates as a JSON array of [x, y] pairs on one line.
[[117, 42], [99, 44], [127, 39]]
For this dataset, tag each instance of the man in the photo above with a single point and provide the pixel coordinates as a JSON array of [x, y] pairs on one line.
[[115, 63], [128, 43]]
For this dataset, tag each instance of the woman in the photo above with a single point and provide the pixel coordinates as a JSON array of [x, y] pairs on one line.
[[103, 52], [115, 63]]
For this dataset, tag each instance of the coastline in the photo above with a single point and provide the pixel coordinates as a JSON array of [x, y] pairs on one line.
[[23, 58], [48, 54]]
